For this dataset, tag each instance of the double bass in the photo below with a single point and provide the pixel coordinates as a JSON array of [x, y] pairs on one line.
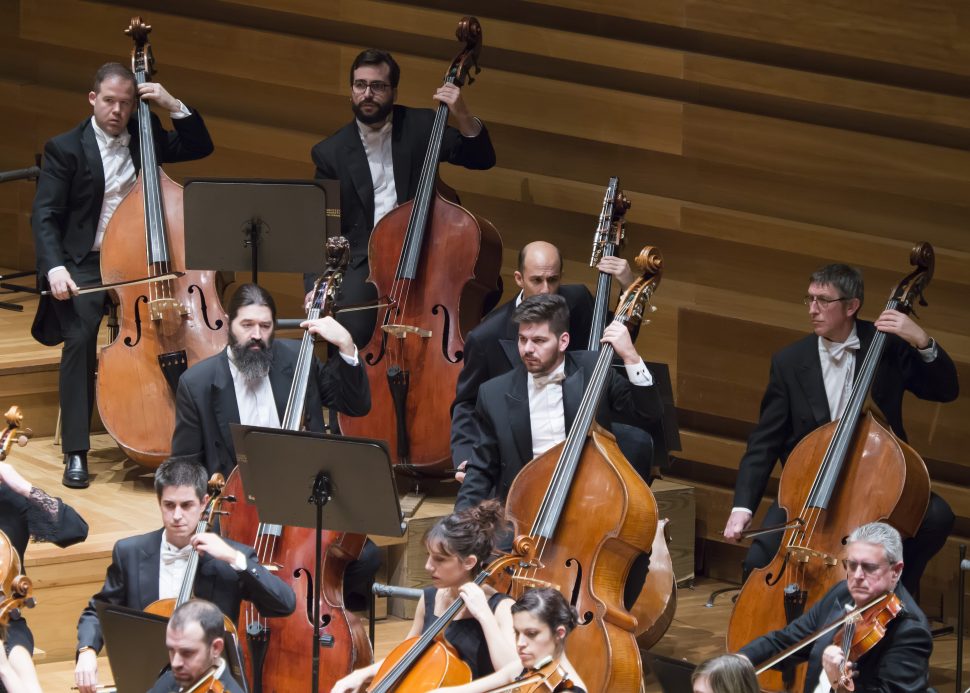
[[277, 650], [165, 326], [581, 514], [437, 262], [655, 607], [842, 475]]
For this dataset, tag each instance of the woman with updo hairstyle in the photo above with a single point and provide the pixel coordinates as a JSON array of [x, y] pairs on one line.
[[542, 619], [728, 673], [459, 546]]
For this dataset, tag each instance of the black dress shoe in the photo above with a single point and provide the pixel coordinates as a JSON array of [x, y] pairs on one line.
[[76, 470]]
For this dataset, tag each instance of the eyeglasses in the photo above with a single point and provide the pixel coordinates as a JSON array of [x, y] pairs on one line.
[[360, 86], [867, 568], [822, 301]]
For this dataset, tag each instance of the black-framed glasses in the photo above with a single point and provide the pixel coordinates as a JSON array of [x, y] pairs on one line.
[[361, 85], [867, 568], [822, 301]]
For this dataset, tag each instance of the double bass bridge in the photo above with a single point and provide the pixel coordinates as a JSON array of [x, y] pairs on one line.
[[402, 331], [158, 307], [801, 554]]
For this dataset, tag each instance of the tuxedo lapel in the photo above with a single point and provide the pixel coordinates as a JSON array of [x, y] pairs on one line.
[[400, 157], [511, 350], [281, 380], [148, 567], [355, 161], [92, 154], [808, 370], [224, 403], [517, 401]]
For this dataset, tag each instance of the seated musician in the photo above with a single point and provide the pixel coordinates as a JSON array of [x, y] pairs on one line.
[[25, 512], [542, 618], [809, 386], [250, 382], [152, 566], [195, 638], [10, 680], [728, 673], [899, 662], [458, 546]]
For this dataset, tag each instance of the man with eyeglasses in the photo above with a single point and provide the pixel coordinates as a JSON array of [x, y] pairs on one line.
[[900, 662], [809, 385], [378, 157]]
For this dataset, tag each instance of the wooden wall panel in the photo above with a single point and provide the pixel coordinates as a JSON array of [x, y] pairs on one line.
[[757, 139]]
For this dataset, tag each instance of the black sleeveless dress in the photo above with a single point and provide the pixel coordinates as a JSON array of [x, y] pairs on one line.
[[465, 634]]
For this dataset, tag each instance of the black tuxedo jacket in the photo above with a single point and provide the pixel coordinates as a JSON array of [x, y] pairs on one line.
[[166, 683], [70, 191], [899, 662], [205, 402], [795, 403], [491, 349], [504, 442], [132, 581], [341, 156]]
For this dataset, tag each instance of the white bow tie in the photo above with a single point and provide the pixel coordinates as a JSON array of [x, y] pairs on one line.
[[837, 349], [541, 381], [172, 555], [121, 140]]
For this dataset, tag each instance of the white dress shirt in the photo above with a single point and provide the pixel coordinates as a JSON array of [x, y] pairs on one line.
[[546, 415], [377, 147], [838, 370], [171, 569], [254, 398]]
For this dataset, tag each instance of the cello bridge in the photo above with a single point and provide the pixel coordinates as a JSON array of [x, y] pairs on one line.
[[521, 584], [159, 306], [402, 331], [800, 554]]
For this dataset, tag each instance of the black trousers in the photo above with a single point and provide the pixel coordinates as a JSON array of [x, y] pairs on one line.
[[917, 550], [79, 318]]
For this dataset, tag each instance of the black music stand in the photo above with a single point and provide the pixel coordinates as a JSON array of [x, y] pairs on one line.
[[348, 484], [234, 224]]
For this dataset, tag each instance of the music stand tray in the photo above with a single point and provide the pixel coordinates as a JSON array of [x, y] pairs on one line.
[[136, 647]]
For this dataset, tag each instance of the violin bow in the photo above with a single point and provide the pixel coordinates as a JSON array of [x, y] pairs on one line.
[[785, 654]]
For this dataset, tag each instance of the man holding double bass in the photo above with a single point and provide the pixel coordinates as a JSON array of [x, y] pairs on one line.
[[378, 157], [809, 385], [85, 175]]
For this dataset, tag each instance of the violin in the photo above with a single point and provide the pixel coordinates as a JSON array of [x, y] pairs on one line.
[[278, 650], [839, 477], [169, 317], [546, 676], [437, 262], [166, 607], [209, 683], [13, 433]]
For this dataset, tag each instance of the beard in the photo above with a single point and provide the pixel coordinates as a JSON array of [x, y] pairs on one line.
[[378, 116], [252, 363]]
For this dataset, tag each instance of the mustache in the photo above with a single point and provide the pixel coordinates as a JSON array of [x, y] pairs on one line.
[[259, 343]]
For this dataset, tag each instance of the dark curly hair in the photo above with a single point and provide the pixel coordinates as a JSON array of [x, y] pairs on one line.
[[470, 532]]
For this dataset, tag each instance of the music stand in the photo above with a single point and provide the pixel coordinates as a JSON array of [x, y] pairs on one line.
[[135, 642], [234, 224], [348, 483]]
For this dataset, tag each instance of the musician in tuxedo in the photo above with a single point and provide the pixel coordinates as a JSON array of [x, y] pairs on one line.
[[377, 158], [250, 383], [899, 662], [809, 385], [195, 638], [28, 512], [152, 566], [86, 173]]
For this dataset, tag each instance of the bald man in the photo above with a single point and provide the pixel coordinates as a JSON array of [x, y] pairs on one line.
[[491, 349]]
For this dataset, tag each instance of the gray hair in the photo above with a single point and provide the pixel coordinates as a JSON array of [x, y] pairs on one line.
[[882, 534], [846, 279]]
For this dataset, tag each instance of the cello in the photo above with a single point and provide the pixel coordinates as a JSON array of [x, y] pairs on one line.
[[655, 607], [164, 326], [842, 475], [277, 649], [436, 261], [581, 514], [16, 589]]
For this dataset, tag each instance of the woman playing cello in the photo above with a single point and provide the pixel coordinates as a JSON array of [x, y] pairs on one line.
[[458, 546], [542, 619]]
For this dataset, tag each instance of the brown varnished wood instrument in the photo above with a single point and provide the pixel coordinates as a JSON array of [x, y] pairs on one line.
[[16, 589], [278, 650], [165, 326], [436, 261], [842, 475], [581, 514]]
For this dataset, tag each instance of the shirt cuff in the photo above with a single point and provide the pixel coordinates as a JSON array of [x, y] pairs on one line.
[[239, 564], [639, 374], [61, 267], [743, 510], [182, 112], [481, 126], [350, 360], [928, 354]]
